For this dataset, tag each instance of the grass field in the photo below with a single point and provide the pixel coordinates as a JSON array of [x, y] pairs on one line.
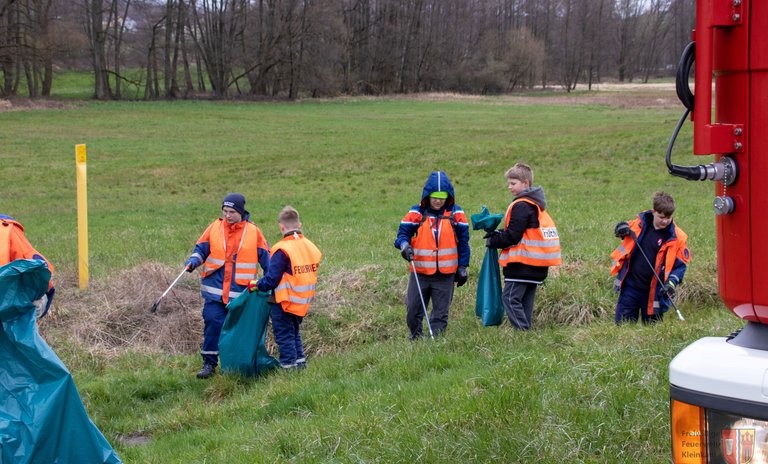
[[576, 389]]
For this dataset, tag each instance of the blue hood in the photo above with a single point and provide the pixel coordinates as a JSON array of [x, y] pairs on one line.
[[437, 182]]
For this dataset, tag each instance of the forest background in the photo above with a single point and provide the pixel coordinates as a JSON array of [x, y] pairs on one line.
[[154, 49]]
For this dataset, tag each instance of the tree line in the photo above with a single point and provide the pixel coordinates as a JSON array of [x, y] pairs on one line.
[[166, 49]]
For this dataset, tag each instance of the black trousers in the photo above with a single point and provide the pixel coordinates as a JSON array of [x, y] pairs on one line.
[[437, 288]]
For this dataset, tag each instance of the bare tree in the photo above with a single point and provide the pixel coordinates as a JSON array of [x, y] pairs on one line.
[[654, 30], [97, 36], [220, 25]]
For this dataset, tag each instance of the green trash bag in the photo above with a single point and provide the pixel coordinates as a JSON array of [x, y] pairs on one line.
[[488, 306], [42, 418], [241, 344]]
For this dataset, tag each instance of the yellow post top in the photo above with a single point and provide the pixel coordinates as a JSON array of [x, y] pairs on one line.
[[80, 153]]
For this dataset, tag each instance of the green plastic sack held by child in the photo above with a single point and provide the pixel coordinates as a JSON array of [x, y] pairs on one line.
[[42, 418], [241, 344], [488, 306]]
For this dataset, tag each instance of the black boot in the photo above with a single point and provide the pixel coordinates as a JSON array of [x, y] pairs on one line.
[[208, 370]]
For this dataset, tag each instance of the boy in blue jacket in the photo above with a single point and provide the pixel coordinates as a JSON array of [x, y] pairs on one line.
[[434, 238], [664, 244]]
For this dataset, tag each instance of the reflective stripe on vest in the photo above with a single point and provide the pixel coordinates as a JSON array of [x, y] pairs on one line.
[[296, 291], [430, 255], [539, 246]]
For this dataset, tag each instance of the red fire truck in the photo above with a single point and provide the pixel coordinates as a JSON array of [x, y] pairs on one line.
[[719, 385]]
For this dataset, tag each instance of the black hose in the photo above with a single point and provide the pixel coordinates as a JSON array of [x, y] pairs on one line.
[[683, 72], [686, 97]]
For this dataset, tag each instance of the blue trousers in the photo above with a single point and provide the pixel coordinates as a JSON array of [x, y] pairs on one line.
[[287, 330], [214, 313], [633, 302]]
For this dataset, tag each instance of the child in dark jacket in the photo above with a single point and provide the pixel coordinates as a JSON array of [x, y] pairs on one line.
[[530, 244], [434, 238], [662, 242]]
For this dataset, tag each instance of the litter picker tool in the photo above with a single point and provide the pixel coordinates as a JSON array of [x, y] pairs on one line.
[[637, 245], [421, 297], [157, 303]]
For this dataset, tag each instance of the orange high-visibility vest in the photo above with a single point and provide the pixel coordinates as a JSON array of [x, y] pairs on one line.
[[296, 291], [246, 264], [430, 255], [14, 245], [538, 247]]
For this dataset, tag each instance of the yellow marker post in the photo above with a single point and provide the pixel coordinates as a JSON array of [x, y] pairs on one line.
[[82, 216]]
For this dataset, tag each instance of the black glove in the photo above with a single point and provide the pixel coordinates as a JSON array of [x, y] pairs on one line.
[[489, 236], [622, 229], [669, 289], [407, 252], [461, 276]]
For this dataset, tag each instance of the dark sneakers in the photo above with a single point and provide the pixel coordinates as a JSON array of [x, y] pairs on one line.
[[208, 370]]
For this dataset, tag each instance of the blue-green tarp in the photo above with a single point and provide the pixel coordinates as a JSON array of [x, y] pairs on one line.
[[488, 305], [241, 344], [42, 418]]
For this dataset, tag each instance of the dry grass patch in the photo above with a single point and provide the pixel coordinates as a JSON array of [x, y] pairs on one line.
[[113, 316]]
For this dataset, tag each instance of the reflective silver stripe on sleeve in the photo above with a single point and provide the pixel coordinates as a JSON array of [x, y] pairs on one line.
[[198, 256], [210, 352]]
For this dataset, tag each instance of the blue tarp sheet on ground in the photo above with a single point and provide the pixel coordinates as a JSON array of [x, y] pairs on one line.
[[241, 344], [488, 304], [42, 418]]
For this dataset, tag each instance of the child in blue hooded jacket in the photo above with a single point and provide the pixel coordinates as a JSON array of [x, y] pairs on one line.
[[434, 238]]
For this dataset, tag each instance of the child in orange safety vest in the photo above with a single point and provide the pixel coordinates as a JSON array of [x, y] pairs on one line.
[[530, 245], [434, 238], [230, 250], [292, 274]]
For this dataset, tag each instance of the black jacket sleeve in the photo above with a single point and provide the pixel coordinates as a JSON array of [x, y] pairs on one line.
[[523, 216]]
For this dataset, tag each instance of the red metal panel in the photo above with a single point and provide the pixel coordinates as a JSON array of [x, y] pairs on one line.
[[722, 48], [758, 155]]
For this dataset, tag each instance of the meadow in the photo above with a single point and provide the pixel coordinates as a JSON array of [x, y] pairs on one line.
[[575, 389]]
